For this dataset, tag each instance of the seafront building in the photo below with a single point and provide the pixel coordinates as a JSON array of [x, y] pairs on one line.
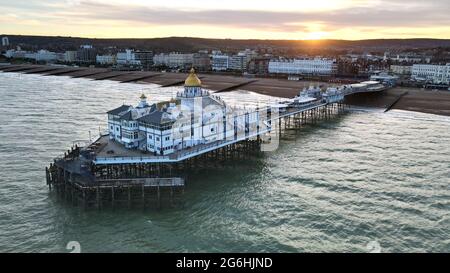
[[401, 69], [161, 59], [249, 54], [220, 62], [316, 66], [86, 54], [133, 60], [105, 59], [145, 57], [12, 53], [201, 61], [127, 57], [41, 55], [406, 58], [70, 56], [180, 60], [436, 74], [48, 56], [174, 59], [5, 41], [258, 66], [237, 62]]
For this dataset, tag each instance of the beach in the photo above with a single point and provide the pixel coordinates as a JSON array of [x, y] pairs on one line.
[[418, 100]]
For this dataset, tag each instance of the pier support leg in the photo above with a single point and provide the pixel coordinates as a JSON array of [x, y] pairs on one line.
[[97, 193], [112, 196], [84, 199], [171, 195], [158, 197], [129, 197], [143, 196]]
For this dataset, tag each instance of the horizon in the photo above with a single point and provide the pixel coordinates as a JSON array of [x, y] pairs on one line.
[[210, 38], [349, 20]]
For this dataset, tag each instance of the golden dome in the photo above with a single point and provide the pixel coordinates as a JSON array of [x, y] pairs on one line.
[[192, 80]]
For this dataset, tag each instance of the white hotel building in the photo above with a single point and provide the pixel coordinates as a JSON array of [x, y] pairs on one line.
[[316, 66], [127, 58], [174, 59], [437, 74], [105, 59], [220, 62]]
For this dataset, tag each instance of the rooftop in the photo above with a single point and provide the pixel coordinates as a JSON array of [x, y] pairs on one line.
[[192, 80], [119, 110]]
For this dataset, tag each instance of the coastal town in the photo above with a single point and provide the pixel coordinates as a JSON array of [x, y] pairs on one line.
[[427, 68]]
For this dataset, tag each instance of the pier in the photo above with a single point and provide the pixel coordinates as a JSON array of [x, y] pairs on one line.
[[144, 157], [133, 179]]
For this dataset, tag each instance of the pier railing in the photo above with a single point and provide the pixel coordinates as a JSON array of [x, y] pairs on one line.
[[119, 159], [147, 182]]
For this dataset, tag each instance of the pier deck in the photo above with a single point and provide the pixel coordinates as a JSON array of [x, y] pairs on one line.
[[85, 190], [115, 153]]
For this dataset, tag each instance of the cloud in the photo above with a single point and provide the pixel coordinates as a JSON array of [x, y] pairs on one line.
[[412, 14], [380, 14]]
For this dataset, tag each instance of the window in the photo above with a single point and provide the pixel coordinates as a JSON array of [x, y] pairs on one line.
[[150, 137], [167, 137], [112, 127], [157, 138], [117, 128]]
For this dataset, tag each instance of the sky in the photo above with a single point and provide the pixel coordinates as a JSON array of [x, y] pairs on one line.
[[238, 19]]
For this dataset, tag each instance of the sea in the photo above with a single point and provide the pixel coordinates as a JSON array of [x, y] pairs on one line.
[[366, 181]]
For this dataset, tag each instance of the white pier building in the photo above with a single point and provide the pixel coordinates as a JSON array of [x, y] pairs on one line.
[[196, 122], [194, 117]]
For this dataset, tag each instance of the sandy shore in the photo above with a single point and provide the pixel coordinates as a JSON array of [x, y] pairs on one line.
[[426, 101], [418, 100]]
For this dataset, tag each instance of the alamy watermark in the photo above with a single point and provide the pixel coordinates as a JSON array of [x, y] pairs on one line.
[[74, 247], [373, 247], [200, 124]]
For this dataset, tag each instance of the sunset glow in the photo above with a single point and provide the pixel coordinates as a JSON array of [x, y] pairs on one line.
[[283, 19]]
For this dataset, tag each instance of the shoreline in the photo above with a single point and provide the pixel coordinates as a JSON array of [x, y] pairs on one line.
[[416, 100]]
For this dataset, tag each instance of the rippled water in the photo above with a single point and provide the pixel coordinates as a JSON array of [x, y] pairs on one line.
[[335, 186]]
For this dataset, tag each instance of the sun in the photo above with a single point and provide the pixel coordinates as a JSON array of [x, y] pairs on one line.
[[315, 35]]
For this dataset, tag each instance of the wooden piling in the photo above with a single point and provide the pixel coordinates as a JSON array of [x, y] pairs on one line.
[[112, 197]]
